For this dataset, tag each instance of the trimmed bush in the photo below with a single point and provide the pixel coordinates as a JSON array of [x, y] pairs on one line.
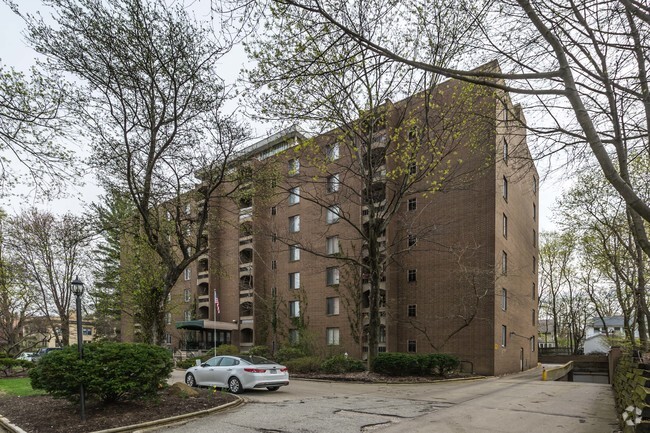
[[341, 364], [262, 351], [225, 349], [11, 366], [288, 353], [109, 371], [408, 364], [306, 364]]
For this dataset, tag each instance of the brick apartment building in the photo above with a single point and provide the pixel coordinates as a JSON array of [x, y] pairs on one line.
[[460, 245]]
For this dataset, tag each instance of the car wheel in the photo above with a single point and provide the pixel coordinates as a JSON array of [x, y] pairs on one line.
[[189, 380], [235, 385], [272, 388]]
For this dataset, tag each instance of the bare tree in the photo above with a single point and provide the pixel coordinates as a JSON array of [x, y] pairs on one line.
[[151, 101], [32, 129], [51, 251]]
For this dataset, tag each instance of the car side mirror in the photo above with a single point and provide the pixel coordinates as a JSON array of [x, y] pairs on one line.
[[205, 364]]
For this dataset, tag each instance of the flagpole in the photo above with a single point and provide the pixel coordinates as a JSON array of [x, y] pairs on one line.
[[214, 331]]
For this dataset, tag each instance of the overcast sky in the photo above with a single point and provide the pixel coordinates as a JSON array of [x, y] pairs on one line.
[[14, 52]]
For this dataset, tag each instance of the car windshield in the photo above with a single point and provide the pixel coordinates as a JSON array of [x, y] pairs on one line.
[[257, 360]]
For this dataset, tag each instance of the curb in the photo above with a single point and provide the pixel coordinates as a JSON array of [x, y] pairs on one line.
[[7, 426]]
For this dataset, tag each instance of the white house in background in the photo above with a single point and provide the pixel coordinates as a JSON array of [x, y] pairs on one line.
[[596, 340]]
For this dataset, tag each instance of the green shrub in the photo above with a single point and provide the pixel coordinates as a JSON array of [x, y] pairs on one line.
[[225, 349], [443, 363], [306, 364], [109, 371], [262, 351], [341, 364], [397, 364], [409, 364], [11, 366], [288, 353]]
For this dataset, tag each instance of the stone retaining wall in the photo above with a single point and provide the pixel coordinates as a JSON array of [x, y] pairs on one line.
[[632, 388]]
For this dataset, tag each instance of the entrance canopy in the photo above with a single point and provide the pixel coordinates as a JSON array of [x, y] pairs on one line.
[[198, 325]]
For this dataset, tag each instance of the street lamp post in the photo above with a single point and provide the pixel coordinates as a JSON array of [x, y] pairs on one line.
[[78, 290]]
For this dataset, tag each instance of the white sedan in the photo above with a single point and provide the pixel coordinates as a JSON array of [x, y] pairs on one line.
[[238, 373]]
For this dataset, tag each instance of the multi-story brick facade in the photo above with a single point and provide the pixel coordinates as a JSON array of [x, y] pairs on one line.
[[460, 245]]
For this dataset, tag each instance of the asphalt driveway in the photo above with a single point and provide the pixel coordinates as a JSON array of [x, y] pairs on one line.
[[518, 403]]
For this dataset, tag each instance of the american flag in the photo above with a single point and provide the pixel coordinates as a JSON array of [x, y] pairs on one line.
[[216, 303]]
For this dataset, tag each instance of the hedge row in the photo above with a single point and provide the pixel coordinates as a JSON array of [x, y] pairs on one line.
[[410, 364], [109, 371]]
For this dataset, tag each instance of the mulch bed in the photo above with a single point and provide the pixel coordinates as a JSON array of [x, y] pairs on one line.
[[44, 414]]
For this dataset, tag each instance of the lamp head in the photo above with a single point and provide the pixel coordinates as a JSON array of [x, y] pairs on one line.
[[77, 286]]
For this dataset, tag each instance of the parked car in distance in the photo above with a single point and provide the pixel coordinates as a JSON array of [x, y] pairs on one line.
[[26, 356], [238, 373], [43, 351]]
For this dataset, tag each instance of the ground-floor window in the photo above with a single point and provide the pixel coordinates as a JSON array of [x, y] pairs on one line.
[[412, 346]]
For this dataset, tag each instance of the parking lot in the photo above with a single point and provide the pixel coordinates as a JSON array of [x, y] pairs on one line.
[[516, 403]]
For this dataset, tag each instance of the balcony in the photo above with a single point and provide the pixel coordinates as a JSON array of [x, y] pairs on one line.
[[204, 301], [245, 213], [246, 269]]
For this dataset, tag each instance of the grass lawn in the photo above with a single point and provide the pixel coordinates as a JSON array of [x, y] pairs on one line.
[[20, 386]]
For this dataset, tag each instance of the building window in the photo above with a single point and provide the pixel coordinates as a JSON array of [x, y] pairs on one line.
[[505, 188], [412, 275], [504, 335], [294, 167], [534, 185], [187, 296], [168, 318], [505, 226], [504, 263], [187, 274], [294, 280], [294, 253], [412, 346], [504, 299], [274, 265], [534, 291], [294, 224], [505, 150], [333, 245], [332, 215], [412, 240], [534, 212], [534, 238], [332, 152], [534, 264], [332, 276], [294, 195], [294, 309], [274, 237], [294, 336], [168, 338], [412, 204], [413, 167], [533, 316], [87, 331], [412, 310], [187, 315], [532, 344], [332, 306], [333, 336], [274, 210], [333, 183]]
